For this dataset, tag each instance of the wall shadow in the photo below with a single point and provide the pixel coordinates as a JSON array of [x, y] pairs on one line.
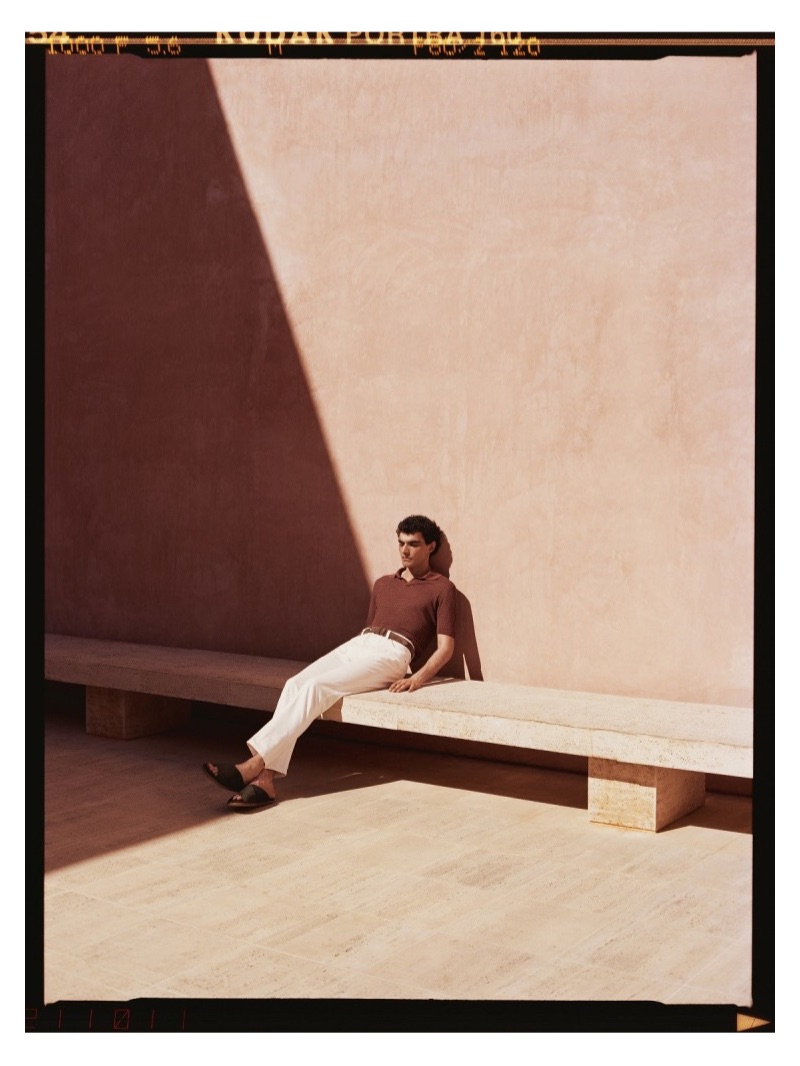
[[466, 660], [190, 499]]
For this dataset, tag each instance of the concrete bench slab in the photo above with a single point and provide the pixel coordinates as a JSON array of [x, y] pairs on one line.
[[182, 674], [647, 758], [681, 736]]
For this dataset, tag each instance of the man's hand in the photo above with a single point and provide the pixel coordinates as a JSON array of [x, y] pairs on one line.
[[406, 684], [443, 653]]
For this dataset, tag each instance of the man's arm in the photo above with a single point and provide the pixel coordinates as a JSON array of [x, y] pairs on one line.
[[372, 607], [442, 655]]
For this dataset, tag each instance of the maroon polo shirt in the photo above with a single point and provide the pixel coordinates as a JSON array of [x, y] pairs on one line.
[[420, 609]]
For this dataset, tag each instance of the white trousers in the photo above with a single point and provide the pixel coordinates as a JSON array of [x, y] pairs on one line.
[[362, 664]]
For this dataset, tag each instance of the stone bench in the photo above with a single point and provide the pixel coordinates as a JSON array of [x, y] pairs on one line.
[[647, 759]]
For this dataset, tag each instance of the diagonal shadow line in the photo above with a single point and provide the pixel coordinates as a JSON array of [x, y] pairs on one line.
[[190, 498], [128, 792]]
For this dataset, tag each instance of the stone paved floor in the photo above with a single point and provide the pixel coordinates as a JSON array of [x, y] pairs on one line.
[[381, 873]]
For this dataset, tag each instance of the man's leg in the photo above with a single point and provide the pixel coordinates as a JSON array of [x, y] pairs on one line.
[[253, 770], [366, 662]]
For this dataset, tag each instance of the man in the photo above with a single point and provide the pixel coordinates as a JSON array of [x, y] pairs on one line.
[[407, 609]]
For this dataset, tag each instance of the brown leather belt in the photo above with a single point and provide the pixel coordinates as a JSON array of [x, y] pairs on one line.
[[390, 633]]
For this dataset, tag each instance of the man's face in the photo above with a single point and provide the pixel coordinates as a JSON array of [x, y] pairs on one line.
[[414, 552]]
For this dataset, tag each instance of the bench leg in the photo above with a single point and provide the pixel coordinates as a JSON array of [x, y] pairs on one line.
[[642, 797], [111, 712]]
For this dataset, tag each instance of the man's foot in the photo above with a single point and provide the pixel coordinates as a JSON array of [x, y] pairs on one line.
[[250, 798], [264, 783], [234, 776]]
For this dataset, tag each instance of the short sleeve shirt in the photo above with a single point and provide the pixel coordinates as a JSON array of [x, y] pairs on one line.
[[420, 609]]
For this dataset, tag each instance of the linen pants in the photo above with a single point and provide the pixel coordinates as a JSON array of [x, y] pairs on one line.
[[366, 662]]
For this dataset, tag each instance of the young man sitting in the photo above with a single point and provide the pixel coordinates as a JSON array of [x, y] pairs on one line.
[[407, 610]]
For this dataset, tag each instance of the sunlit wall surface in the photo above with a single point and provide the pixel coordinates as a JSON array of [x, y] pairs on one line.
[[290, 302]]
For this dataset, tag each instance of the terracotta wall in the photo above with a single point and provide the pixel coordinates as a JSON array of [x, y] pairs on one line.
[[289, 302]]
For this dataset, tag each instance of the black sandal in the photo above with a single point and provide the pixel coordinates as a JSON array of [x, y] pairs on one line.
[[227, 776], [250, 796]]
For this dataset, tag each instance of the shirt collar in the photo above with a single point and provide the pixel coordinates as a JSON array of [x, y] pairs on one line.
[[431, 575]]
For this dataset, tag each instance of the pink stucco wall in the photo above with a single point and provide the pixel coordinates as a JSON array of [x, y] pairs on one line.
[[290, 302]]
